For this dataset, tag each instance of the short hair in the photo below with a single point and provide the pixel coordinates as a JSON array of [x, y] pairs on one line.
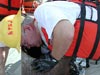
[[27, 19]]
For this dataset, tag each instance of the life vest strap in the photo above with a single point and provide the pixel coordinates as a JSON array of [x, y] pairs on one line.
[[97, 36], [9, 5], [83, 14], [11, 8]]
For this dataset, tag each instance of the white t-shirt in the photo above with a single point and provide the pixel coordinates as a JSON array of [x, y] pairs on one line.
[[50, 13]]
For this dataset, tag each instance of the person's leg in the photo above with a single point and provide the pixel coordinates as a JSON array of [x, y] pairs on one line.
[[1, 62], [3, 57], [6, 51]]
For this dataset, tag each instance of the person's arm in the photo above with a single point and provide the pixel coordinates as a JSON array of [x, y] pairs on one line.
[[62, 38]]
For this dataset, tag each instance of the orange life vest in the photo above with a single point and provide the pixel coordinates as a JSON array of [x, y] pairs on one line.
[[86, 42], [8, 7], [30, 5]]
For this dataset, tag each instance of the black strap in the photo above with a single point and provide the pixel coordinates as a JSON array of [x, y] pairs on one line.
[[91, 12], [87, 63], [9, 5], [97, 40], [11, 8], [83, 13]]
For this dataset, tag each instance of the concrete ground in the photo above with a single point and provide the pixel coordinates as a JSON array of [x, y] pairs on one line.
[[93, 69], [13, 64]]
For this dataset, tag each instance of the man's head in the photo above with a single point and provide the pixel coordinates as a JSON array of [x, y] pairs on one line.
[[30, 33]]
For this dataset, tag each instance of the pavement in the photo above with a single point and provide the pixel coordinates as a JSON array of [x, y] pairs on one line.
[[13, 63], [94, 69]]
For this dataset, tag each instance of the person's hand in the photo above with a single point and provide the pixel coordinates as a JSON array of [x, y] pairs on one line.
[[44, 65]]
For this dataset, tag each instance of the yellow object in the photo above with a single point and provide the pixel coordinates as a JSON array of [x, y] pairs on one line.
[[10, 31]]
